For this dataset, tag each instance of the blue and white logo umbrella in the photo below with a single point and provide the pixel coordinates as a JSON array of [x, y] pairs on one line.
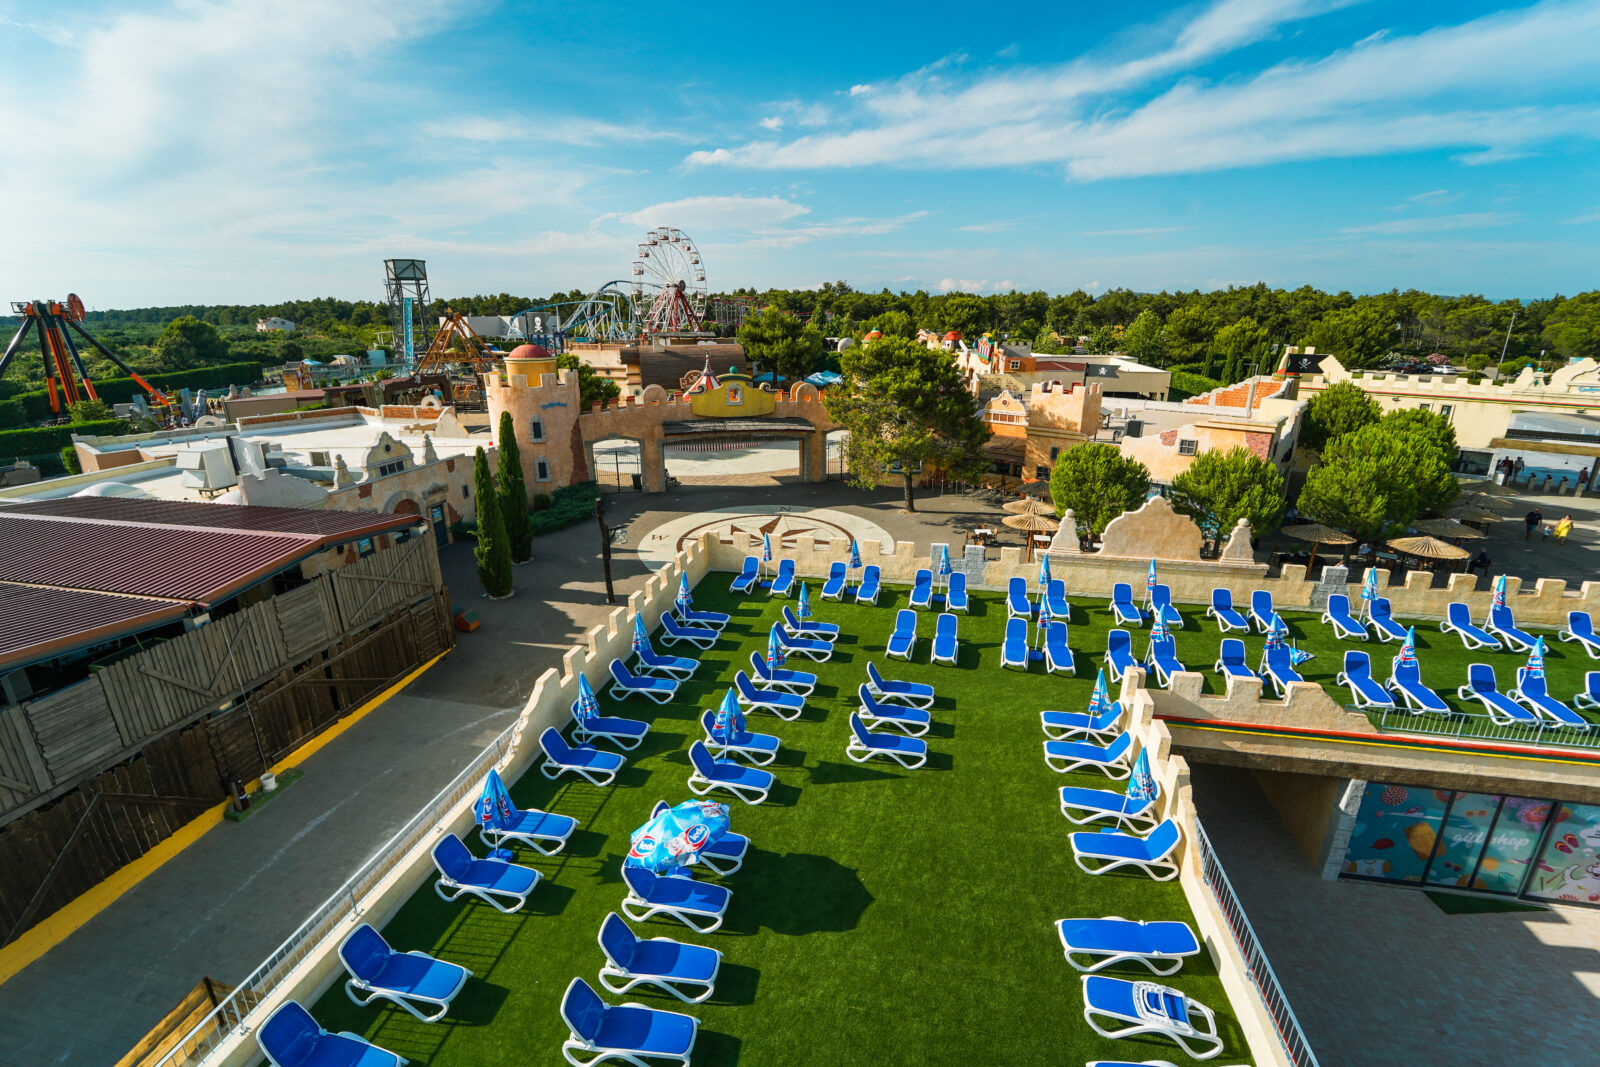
[[1408, 649], [728, 723], [1297, 655], [494, 807], [641, 640], [1159, 630], [944, 563], [1044, 574], [1500, 591], [684, 599], [677, 836], [587, 705], [1535, 665], [855, 555], [1044, 620], [1369, 589], [802, 608], [1100, 700], [766, 548], [775, 650], [1141, 783], [1150, 582], [1276, 632]]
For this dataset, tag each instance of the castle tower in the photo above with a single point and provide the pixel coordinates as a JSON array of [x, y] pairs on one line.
[[543, 403]]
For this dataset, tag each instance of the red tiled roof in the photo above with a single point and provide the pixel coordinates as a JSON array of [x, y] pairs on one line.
[[36, 623]]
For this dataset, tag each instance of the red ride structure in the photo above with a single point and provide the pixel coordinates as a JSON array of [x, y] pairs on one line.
[[66, 379]]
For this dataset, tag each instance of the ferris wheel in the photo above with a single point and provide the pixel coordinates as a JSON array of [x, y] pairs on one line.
[[669, 282]]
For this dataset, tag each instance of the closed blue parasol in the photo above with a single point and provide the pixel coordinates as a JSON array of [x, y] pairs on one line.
[[641, 640], [1276, 632], [766, 548], [1044, 574], [775, 653], [727, 726], [586, 705], [1100, 700], [802, 608], [855, 558], [494, 807], [1150, 582], [1408, 649], [684, 600], [677, 836], [1535, 665], [1141, 783], [1369, 588]]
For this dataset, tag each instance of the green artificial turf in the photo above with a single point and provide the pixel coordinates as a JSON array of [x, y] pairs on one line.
[[1463, 904], [883, 915]]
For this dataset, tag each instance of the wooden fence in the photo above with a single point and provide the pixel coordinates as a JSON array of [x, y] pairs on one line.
[[226, 701]]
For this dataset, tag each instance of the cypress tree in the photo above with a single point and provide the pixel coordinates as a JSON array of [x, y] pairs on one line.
[[492, 553], [514, 494]]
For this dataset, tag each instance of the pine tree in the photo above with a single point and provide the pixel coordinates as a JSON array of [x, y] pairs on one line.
[[514, 494], [492, 553]]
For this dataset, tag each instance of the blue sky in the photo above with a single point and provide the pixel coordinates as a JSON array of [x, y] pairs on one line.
[[246, 151]]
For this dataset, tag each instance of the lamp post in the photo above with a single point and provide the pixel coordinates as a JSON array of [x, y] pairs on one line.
[[605, 546]]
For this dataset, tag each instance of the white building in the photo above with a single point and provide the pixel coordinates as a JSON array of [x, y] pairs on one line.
[[273, 324]]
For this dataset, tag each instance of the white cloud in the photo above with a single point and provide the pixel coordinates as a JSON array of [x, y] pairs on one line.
[[772, 122], [568, 130], [860, 90], [1392, 94], [1141, 231], [964, 285], [998, 226], [1435, 224], [718, 213], [1593, 216], [1433, 196]]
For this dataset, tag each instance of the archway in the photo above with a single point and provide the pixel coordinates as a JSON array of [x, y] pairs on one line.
[[834, 459], [617, 463], [719, 460]]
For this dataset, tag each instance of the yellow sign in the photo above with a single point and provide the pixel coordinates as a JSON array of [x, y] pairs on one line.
[[734, 397]]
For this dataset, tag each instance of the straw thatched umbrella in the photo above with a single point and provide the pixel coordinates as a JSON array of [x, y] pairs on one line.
[[1317, 534], [1487, 487], [1029, 506], [1486, 501], [1446, 528], [1428, 548], [1470, 513], [1031, 524]]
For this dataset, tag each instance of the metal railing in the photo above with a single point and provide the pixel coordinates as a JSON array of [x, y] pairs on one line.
[[1266, 982], [1482, 728], [347, 903]]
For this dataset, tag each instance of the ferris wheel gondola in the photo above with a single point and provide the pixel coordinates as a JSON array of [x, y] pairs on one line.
[[669, 283]]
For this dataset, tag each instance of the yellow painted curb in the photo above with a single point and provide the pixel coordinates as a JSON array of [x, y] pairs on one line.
[[57, 927]]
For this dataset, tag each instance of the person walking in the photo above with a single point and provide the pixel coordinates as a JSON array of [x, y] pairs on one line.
[[1532, 520], [1563, 528]]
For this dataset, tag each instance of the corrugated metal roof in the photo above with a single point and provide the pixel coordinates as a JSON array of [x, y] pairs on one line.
[[38, 623], [304, 522]]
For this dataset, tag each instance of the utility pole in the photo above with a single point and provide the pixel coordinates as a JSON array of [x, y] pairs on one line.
[[605, 546], [1507, 343]]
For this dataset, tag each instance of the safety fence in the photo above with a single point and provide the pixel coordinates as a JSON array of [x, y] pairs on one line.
[[1266, 982], [332, 917], [1483, 728]]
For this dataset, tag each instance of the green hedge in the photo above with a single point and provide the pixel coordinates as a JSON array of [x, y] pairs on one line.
[[1190, 385], [50, 440], [20, 409], [569, 506]]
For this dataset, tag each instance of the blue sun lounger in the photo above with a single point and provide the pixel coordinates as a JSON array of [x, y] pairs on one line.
[[1111, 849], [955, 597], [1365, 692], [1142, 1007], [1345, 625], [804, 645], [903, 641], [783, 584], [1163, 659], [1017, 602], [1406, 681], [1014, 649], [688, 972], [503, 885], [811, 628], [673, 631], [909, 752], [1057, 656], [1119, 654], [599, 768], [912, 721], [1504, 626], [922, 589], [1065, 725], [1590, 697], [780, 678], [721, 857], [626, 734], [632, 1033], [1055, 595], [1532, 694], [1580, 628], [1223, 611], [1124, 612], [1115, 760], [648, 661], [1160, 946], [711, 620], [1382, 620], [1458, 622], [1482, 687], [746, 578], [1261, 610], [833, 588], [749, 784], [413, 981], [1230, 660], [539, 830], [786, 706], [624, 684], [867, 591], [759, 749], [1083, 806], [894, 691], [1161, 601], [946, 642], [291, 1038], [1277, 667]]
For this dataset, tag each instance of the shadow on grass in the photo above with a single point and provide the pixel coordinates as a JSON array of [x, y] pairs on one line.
[[712, 1047], [583, 844], [829, 773], [480, 1001], [736, 984], [939, 761], [549, 898], [797, 894]]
